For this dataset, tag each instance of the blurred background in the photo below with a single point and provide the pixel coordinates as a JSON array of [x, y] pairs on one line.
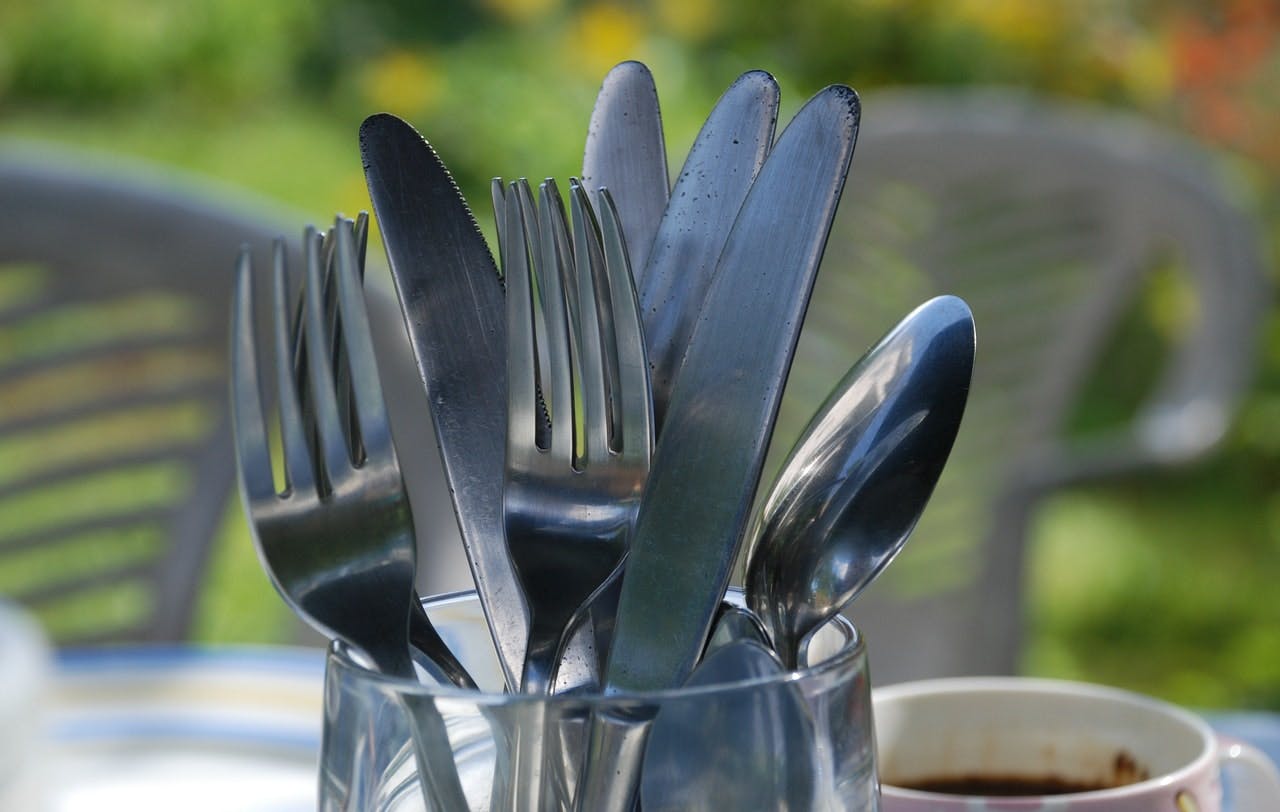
[[1164, 583]]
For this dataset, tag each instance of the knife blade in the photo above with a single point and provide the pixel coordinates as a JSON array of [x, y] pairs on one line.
[[722, 163], [454, 308], [707, 463], [626, 153]]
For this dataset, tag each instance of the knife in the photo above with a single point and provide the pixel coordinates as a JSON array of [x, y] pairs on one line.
[[722, 163], [454, 308], [626, 153], [724, 401]]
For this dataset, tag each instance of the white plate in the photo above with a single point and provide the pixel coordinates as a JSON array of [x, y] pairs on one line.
[[141, 729]]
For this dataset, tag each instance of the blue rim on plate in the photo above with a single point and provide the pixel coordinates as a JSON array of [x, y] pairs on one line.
[[305, 662], [121, 718], [119, 694]]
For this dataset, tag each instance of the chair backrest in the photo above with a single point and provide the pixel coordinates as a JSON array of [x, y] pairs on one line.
[[1048, 221], [116, 462]]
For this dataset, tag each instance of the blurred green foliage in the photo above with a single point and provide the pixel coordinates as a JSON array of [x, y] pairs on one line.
[[1162, 584]]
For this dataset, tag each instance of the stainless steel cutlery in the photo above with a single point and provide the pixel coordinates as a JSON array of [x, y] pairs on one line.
[[580, 431], [724, 401], [602, 408], [717, 174], [852, 489], [337, 539], [626, 153], [454, 309]]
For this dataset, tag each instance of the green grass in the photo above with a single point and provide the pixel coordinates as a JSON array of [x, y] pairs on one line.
[[238, 603], [1164, 586]]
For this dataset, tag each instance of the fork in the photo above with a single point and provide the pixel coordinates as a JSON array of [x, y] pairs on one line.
[[579, 436], [439, 661], [337, 541], [569, 498]]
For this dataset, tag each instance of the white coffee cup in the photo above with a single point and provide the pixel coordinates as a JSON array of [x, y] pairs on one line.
[[1123, 752]]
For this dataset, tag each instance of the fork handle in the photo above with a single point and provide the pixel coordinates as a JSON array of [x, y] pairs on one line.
[[432, 750], [437, 769], [610, 780], [424, 637]]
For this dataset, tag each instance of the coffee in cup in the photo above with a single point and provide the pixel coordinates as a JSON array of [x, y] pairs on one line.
[[971, 744]]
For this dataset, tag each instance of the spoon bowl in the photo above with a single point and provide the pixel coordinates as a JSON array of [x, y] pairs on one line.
[[854, 486]]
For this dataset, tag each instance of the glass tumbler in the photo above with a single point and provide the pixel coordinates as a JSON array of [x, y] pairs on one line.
[[798, 741]]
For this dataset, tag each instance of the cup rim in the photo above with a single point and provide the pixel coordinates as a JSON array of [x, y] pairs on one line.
[[1057, 687], [853, 649]]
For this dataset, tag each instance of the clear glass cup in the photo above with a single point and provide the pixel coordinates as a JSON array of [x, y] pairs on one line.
[[799, 741]]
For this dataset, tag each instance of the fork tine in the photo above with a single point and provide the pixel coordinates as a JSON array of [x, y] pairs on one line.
[[341, 366], [337, 351], [555, 230], [299, 319], [247, 414], [299, 472], [633, 405], [554, 281], [298, 342], [357, 340], [595, 406], [362, 240], [551, 331], [331, 438], [604, 314], [522, 397], [497, 192], [527, 239]]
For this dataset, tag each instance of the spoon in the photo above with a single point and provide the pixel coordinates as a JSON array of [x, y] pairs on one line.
[[856, 482]]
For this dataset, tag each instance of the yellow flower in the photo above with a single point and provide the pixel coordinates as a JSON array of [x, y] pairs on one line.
[[1019, 22], [689, 19], [522, 11], [403, 81], [605, 34], [1148, 70]]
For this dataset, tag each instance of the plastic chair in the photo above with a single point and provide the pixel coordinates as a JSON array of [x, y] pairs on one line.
[[116, 464], [1049, 221]]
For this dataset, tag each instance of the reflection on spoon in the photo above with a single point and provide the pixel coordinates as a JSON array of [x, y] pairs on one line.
[[855, 484]]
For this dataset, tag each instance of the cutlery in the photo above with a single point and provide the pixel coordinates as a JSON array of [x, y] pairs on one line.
[[569, 503], [734, 623], [439, 661], [707, 462], [338, 541], [724, 401], [722, 163], [853, 487], [625, 153], [453, 306], [569, 499]]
